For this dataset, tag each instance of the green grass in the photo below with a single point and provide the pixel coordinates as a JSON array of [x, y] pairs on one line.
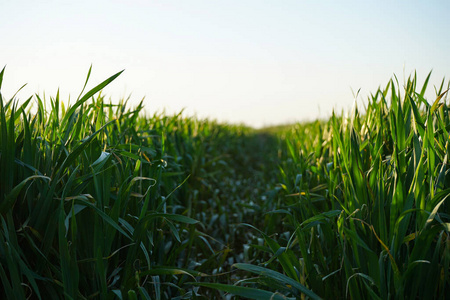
[[100, 200]]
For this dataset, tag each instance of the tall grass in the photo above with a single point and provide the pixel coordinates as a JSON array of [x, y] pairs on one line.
[[98, 200], [365, 199], [95, 203]]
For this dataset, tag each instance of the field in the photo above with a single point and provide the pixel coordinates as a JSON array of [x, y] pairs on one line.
[[103, 201]]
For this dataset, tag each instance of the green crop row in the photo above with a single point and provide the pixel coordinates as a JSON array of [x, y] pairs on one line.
[[101, 201], [366, 202]]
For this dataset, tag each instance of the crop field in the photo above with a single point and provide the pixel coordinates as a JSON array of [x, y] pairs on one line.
[[104, 201]]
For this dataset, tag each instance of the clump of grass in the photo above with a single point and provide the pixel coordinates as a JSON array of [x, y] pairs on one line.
[[364, 200], [85, 202], [98, 200]]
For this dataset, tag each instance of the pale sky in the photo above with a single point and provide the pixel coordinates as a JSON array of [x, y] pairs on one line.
[[256, 62]]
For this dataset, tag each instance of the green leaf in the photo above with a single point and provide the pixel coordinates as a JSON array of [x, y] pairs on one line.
[[249, 293], [163, 270], [10, 199], [283, 258], [104, 216], [283, 279], [436, 102], [1, 78], [88, 95]]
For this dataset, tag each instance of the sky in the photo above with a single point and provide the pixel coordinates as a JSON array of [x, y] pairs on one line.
[[259, 63]]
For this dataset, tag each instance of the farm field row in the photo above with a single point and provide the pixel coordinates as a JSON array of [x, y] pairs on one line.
[[103, 201]]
